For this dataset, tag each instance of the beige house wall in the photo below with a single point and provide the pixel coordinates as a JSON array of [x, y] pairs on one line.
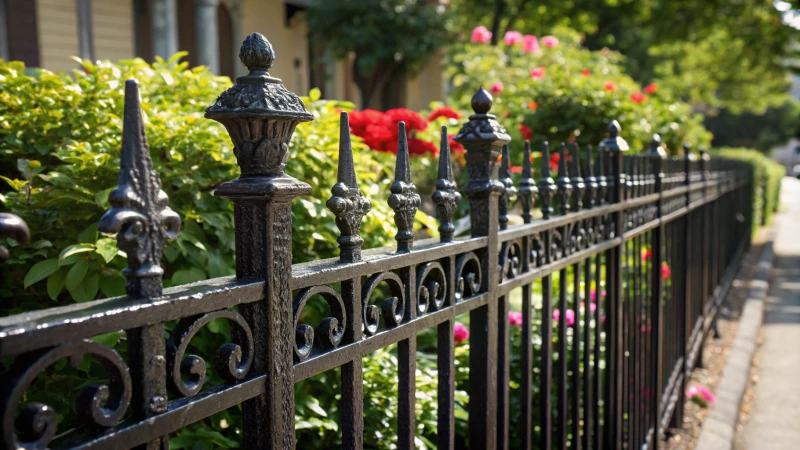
[[58, 34], [427, 86], [112, 23], [268, 17]]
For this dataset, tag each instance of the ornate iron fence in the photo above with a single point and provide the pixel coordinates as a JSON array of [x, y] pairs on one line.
[[664, 236]]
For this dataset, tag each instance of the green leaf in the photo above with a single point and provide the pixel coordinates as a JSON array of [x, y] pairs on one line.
[[40, 271], [112, 285], [86, 289], [89, 235], [107, 248], [187, 276], [314, 406], [76, 274], [68, 255], [108, 339], [56, 282], [42, 244]]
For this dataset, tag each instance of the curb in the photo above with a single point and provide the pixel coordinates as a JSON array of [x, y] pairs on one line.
[[719, 428]]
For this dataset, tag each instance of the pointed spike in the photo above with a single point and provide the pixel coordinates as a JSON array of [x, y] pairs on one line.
[[402, 170], [445, 169], [347, 168], [562, 161], [509, 191], [589, 161], [546, 159], [527, 164], [505, 168]]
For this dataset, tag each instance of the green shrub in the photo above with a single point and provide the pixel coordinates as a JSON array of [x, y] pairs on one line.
[[767, 175], [575, 97], [59, 155]]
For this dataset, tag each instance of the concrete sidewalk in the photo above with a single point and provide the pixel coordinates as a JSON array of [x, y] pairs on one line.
[[775, 416]]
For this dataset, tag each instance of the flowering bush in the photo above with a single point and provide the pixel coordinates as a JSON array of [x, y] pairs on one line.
[[701, 395], [560, 91]]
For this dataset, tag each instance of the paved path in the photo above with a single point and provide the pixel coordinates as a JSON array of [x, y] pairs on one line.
[[775, 417]]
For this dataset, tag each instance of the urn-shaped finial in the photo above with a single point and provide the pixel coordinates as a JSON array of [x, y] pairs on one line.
[[259, 113]]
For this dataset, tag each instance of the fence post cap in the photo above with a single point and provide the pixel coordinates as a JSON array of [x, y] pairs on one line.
[[613, 142], [655, 150]]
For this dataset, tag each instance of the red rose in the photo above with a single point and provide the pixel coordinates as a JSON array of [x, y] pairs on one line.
[[585, 72], [610, 87], [527, 133], [418, 147], [444, 111], [532, 106], [413, 119], [638, 97], [651, 88]]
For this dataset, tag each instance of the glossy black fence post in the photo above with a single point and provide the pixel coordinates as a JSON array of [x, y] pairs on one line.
[[260, 116], [483, 138], [615, 146], [139, 203], [657, 156]]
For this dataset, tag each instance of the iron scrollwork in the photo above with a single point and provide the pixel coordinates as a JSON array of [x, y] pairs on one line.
[[101, 405], [232, 360], [392, 309], [468, 276], [330, 331], [431, 287], [510, 259]]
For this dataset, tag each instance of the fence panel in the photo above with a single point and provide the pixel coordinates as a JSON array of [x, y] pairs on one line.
[[621, 269]]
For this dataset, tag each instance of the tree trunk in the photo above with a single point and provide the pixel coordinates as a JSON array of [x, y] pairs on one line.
[[499, 9], [372, 84]]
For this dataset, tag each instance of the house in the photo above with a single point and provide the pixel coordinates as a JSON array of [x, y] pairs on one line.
[[45, 33]]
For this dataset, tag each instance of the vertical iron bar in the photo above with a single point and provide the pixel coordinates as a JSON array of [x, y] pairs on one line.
[[546, 189]]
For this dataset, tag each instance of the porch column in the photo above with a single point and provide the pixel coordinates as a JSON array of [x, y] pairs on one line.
[[165, 28], [207, 34]]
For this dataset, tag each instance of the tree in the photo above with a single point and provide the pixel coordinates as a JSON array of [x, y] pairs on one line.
[[388, 37], [712, 53]]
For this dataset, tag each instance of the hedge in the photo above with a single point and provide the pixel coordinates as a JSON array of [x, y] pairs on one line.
[[767, 186]]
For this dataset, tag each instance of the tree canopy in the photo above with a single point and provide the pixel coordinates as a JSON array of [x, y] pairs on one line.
[[714, 53]]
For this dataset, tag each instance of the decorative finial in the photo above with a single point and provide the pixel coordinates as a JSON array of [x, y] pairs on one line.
[[527, 187], [687, 151], [446, 197], [614, 143], [257, 53], [404, 199], [348, 204], [577, 180], [139, 214], [655, 150], [509, 191], [547, 186], [15, 228], [563, 181], [481, 101]]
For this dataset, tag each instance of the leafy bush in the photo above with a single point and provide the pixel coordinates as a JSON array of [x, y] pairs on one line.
[[767, 175], [60, 157], [559, 91]]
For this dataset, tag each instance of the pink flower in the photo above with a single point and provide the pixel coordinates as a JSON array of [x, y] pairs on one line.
[[460, 333], [609, 86], [515, 318], [666, 272], [530, 44], [481, 35], [701, 395], [638, 97], [550, 41], [593, 294], [512, 37], [593, 306], [651, 88], [570, 316], [496, 88], [538, 73]]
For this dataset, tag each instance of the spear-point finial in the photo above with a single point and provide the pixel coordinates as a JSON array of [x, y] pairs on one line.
[[15, 228], [527, 187], [687, 151], [547, 186], [577, 180], [348, 204], [704, 159], [509, 191], [563, 181], [404, 199], [446, 197], [139, 214], [592, 186]]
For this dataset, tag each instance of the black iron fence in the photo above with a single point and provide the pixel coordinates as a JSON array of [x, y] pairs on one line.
[[654, 240]]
